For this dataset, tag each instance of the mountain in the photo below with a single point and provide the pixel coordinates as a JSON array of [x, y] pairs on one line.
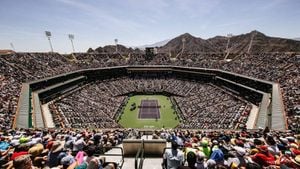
[[191, 44], [157, 44], [263, 43], [90, 50], [124, 49], [112, 49], [297, 39], [258, 41], [237, 44]]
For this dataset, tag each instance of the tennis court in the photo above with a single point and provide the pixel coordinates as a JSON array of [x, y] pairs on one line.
[[149, 109]]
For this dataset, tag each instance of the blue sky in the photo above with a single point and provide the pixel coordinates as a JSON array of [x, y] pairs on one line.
[[137, 22]]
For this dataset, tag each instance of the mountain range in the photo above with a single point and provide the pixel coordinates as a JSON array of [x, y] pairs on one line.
[[252, 42], [298, 39], [236, 44]]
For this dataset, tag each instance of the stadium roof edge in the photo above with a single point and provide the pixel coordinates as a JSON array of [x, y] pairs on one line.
[[250, 88], [75, 71], [150, 66]]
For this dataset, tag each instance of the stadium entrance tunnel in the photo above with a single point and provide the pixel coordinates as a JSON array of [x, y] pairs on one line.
[[149, 111], [201, 99]]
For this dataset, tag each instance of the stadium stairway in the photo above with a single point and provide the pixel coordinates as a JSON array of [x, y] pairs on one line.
[[129, 162], [152, 163]]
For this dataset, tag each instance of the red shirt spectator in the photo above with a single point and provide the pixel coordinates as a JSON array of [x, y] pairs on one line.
[[264, 157], [17, 154]]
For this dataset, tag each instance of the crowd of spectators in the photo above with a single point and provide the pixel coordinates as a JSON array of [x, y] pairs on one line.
[[10, 85], [281, 68], [16, 68], [91, 107], [150, 84], [231, 149], [208, 107], [60, 149], [202, 105], [22, 67], [191, 149]]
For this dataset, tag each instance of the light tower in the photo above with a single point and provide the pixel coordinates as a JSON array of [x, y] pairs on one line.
[[183, 44], [48, 34], [71, 37], [12, 46], [228, 41], [251, 41], [227, 46], [116, 42], [170, 54]]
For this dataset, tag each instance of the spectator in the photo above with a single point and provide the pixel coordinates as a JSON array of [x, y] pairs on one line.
[[23, 162], [191, 160], [55, 154], [173, 157], [264, 157]]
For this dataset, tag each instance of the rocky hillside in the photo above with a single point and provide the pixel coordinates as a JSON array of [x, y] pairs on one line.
[[238, 44], [112, 49], [191, 44]]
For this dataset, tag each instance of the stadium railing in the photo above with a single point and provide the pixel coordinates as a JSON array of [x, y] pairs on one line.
[[139, 157]]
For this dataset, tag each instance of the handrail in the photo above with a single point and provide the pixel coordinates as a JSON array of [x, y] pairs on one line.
[[139, 157], [136, 158], [142, 156]]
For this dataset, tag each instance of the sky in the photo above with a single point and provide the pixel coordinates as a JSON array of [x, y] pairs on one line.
[[97, 23]]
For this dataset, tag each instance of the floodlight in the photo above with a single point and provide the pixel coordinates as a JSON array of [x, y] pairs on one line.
[[48, 34], [71, 37], [116, 42], [12, 46]]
